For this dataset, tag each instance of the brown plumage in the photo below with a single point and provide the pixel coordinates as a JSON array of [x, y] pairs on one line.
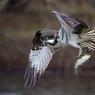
[[88, 40]]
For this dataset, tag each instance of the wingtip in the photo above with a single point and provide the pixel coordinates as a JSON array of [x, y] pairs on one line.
[[56, 12], [30, 78], [53, 12]]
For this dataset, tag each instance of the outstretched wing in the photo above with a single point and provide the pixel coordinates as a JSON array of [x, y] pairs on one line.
[[39, 56], [70, 29], [70, 23], [38, 62]]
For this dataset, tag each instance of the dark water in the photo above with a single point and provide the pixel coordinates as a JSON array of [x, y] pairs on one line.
[[48, 85]]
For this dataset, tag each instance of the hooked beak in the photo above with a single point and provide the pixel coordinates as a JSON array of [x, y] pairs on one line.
[[71, 22]]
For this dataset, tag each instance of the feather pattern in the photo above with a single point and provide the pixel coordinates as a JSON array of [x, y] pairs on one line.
[[40, 56], [88, 41], [89, 36], [38, 62], [88, 44]]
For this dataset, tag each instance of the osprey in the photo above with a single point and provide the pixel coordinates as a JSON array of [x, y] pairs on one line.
[[47, 42]]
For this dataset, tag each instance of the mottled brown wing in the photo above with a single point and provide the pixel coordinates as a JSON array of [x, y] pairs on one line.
[[88, 40]]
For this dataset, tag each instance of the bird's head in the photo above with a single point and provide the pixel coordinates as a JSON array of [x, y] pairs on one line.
[[44, 36], [71, 23]]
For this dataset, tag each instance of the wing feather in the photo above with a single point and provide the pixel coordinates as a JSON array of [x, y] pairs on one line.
[[38, 62], [88, 36], [88, 44]]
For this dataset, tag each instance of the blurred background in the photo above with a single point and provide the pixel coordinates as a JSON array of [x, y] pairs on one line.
[[19, 21]]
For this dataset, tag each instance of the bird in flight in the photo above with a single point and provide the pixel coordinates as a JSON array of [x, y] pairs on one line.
[[47, 42]]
